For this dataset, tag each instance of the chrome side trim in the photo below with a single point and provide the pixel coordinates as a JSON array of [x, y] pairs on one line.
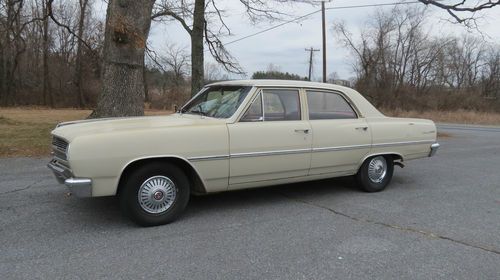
[[269, 153], [340, 148], [314, 150], [401, 143], [203, 158]]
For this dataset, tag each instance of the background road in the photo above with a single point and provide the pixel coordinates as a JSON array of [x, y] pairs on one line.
[[439, 218]]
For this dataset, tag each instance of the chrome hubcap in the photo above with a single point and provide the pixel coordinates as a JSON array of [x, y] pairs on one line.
[[157, 194], [377, 169]]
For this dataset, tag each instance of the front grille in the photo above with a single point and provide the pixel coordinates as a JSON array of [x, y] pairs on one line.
[[60, 148]]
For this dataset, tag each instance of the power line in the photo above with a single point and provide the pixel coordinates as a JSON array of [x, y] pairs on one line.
[[373, 5], [317, 11], [271, 28]]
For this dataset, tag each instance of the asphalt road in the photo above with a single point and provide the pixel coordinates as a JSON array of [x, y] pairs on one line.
[[439, 218]]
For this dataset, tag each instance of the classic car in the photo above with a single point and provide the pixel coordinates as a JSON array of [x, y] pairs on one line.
[[235, 135]]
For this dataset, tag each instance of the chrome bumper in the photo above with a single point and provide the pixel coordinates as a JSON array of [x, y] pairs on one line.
[[80, 187], [434, 148]]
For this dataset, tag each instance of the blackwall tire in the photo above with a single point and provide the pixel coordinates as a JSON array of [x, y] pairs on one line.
[[154, 194], [375, 173]]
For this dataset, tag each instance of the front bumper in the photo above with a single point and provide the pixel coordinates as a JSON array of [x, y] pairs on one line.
[[80, 187], [434, 148]]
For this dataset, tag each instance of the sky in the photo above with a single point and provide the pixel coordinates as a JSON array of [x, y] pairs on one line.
[[285, 46]]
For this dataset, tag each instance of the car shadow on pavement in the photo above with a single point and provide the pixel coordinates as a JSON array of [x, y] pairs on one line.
[[266, 196], [104, 212]]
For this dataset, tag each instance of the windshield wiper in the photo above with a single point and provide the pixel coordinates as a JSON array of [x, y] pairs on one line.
[[199, 111]]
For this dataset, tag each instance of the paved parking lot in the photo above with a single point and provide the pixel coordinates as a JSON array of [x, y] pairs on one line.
[[439, 218]]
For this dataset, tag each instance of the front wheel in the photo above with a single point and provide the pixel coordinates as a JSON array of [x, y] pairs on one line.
[[154, 194], [375, 173]]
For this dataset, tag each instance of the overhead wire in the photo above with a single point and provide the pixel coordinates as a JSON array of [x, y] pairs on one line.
[[300, 18]]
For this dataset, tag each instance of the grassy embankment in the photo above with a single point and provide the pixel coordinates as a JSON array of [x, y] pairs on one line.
[[26, 131]]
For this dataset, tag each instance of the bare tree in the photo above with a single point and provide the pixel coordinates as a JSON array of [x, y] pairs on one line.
[[213, 72], [197, 13], [176, 60], [461, 10], [127, 28], [204, 22], [78, 79], [465, 59], [396, 58], [48, 98], [12, 48], [37, 57], [491, 74]]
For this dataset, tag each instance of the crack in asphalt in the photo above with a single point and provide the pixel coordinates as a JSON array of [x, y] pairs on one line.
[[391, 226], [19, 190]]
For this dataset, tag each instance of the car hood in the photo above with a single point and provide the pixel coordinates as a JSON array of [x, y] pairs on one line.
[[73, 129]]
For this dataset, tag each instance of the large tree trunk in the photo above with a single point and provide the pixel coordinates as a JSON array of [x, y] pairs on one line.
[[197, 64], [146, 89], [48, 100], [127, 29], [78, 79], [7, 77]]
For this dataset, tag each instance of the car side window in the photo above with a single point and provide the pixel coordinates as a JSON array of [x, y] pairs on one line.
[[254, 112], [279, 105], [328, 105]]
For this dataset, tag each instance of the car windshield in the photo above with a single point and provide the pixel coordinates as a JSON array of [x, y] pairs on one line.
[[217, 101]]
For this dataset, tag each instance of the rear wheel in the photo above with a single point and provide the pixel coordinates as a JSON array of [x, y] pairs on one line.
[[154, 194], [375, 173]]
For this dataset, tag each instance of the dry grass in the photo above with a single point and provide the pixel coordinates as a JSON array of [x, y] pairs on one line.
[[26, 131], [459, 116]]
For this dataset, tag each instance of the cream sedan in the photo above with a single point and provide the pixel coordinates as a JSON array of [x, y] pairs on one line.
[[236, 135]]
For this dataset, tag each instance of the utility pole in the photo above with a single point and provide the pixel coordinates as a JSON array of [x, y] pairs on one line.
[[324, 38], [311, 50]]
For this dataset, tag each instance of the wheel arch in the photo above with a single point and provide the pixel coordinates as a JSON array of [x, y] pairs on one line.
[[197, 186], [395, 156]]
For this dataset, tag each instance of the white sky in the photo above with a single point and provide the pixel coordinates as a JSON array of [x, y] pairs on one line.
[[285, 45]]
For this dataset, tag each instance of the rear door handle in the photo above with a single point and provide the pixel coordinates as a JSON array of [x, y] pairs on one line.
[[364, 128], [305, 131]]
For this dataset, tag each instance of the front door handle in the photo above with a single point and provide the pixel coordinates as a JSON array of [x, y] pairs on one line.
[[305, 131], [364, 128]]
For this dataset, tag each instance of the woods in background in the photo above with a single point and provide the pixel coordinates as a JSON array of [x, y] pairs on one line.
[[44, 64], [52, 54], [398, 65]]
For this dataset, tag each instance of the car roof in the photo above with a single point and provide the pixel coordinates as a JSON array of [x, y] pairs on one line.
[[279, 83], [365, 107]]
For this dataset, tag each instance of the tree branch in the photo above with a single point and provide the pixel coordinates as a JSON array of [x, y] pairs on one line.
[[165, 12], [67, 28], [461, 7], [220, 54]]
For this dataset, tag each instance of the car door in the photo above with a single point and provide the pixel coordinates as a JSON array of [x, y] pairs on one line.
[[341, 138], [271, 140]]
